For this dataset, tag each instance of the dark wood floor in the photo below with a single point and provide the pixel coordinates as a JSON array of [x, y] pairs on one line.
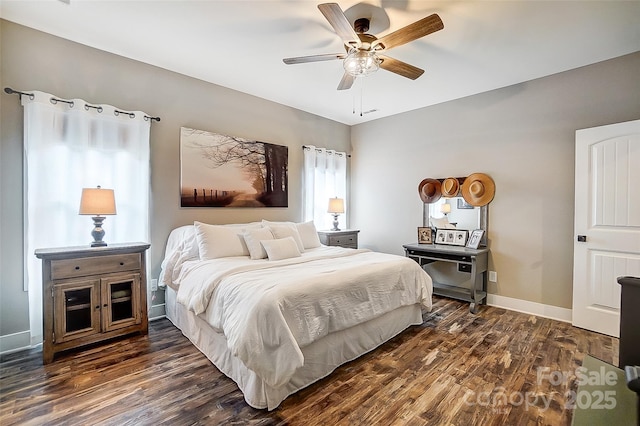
[[455, 369]]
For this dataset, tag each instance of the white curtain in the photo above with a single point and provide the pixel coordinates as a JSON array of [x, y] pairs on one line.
[[324, 177], [70, 145]]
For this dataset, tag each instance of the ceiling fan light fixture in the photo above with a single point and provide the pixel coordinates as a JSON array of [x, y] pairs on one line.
[[359, 63]]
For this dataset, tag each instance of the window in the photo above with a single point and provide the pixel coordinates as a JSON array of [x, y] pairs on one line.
[[70, 145], [325, 176]]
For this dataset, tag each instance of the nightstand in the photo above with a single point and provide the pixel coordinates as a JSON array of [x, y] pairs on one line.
[[92, 294], [347, 238]]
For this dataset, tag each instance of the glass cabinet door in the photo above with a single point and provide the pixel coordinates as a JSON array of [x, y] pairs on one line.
[[77, 310], [120, 301]]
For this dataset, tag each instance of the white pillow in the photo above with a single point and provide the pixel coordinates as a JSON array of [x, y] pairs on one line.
[[282, 248], [253, 237], [308, 235], [441, 223], [285, 229], [216, 241]]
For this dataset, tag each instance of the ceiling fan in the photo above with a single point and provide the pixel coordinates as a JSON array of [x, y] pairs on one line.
[[365, 51]]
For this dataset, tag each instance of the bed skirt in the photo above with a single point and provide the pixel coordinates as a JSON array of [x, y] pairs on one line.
[[320, 357]]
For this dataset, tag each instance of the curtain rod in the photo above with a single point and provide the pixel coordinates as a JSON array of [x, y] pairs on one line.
[[318, 149], [31, 96]]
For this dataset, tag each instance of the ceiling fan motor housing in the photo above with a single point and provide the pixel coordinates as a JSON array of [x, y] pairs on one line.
[[361, 25]]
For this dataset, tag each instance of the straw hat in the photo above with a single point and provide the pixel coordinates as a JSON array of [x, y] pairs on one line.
[[429, 190], [450, 187], [478, 189]]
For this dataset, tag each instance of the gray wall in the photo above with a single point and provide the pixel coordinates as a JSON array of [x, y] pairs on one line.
[[33, 60], [522, 136]]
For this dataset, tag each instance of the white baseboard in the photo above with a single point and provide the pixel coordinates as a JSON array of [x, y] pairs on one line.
[[20, 341], [157, 312], [15, 342], [527, 307]]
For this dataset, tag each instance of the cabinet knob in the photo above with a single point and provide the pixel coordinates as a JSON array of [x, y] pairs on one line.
[[582, 238], [105, 305], [121, 263], [77, 268], [97, 307]]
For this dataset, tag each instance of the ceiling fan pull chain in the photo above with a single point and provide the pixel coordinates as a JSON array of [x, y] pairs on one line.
[[361, 94], [353, 103]]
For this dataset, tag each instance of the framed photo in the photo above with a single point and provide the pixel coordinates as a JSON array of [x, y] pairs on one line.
[[449, 236], [474, 239], [424, 235], [462, 204], [454, 237], [460, 238]]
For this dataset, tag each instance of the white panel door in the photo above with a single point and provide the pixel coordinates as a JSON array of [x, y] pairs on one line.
[[607, 222]]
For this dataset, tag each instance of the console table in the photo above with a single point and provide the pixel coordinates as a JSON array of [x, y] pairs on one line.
[[457, 272]]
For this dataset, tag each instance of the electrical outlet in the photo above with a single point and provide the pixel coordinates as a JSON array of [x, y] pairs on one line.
[[493, 276], [154, 284]]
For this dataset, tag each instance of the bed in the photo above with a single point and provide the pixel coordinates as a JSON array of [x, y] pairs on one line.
[[275, 310]]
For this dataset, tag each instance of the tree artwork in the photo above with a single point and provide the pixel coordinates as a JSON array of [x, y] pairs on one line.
[[226, 171]]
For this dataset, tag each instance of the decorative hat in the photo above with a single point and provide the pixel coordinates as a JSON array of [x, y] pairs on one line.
[[429, 190], [450, 187], [478, 189]]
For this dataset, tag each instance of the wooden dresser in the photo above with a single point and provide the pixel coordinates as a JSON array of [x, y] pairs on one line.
[[92, 294]]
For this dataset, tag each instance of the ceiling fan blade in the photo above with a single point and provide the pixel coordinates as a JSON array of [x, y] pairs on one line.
[[411, 32], [340, 23], [399, 67], [314, 58], [346, 82]]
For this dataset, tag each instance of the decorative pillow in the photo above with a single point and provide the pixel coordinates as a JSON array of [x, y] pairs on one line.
[[216, 241], [282, 248], [441, 223], [253, 237], [285, 229], [308, 235]]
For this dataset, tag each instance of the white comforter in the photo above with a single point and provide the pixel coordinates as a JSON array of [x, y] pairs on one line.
[[269, 310]]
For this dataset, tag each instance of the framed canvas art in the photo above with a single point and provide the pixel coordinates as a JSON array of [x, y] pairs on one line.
[[226, 171]]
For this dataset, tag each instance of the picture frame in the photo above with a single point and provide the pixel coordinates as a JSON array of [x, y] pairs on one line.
[[453, 237], [475, 238], [218, 170], [424, 235], [462, 204], [460, 237]]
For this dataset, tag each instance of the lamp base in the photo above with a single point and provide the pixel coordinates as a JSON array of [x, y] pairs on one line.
[[98, 232], [335, 222]]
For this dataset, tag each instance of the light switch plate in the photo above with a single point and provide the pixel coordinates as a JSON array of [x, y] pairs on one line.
[[154, 284], [493, 276]]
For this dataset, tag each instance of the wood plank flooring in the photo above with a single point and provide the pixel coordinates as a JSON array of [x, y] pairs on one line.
[[455, 369]]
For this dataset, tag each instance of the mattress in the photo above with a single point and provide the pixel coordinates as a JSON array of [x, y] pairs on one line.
[[321, 357]]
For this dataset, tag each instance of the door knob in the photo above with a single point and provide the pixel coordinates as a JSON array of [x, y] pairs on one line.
[[582, 238]]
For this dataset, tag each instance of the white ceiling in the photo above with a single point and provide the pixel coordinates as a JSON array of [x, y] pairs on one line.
[[240, 44]]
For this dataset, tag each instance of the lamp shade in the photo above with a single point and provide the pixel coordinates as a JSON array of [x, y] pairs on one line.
[[445, 208], [97, 201], [336, 205]]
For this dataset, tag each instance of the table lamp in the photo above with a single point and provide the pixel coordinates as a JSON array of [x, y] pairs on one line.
[[97, 202], [336, 206]]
